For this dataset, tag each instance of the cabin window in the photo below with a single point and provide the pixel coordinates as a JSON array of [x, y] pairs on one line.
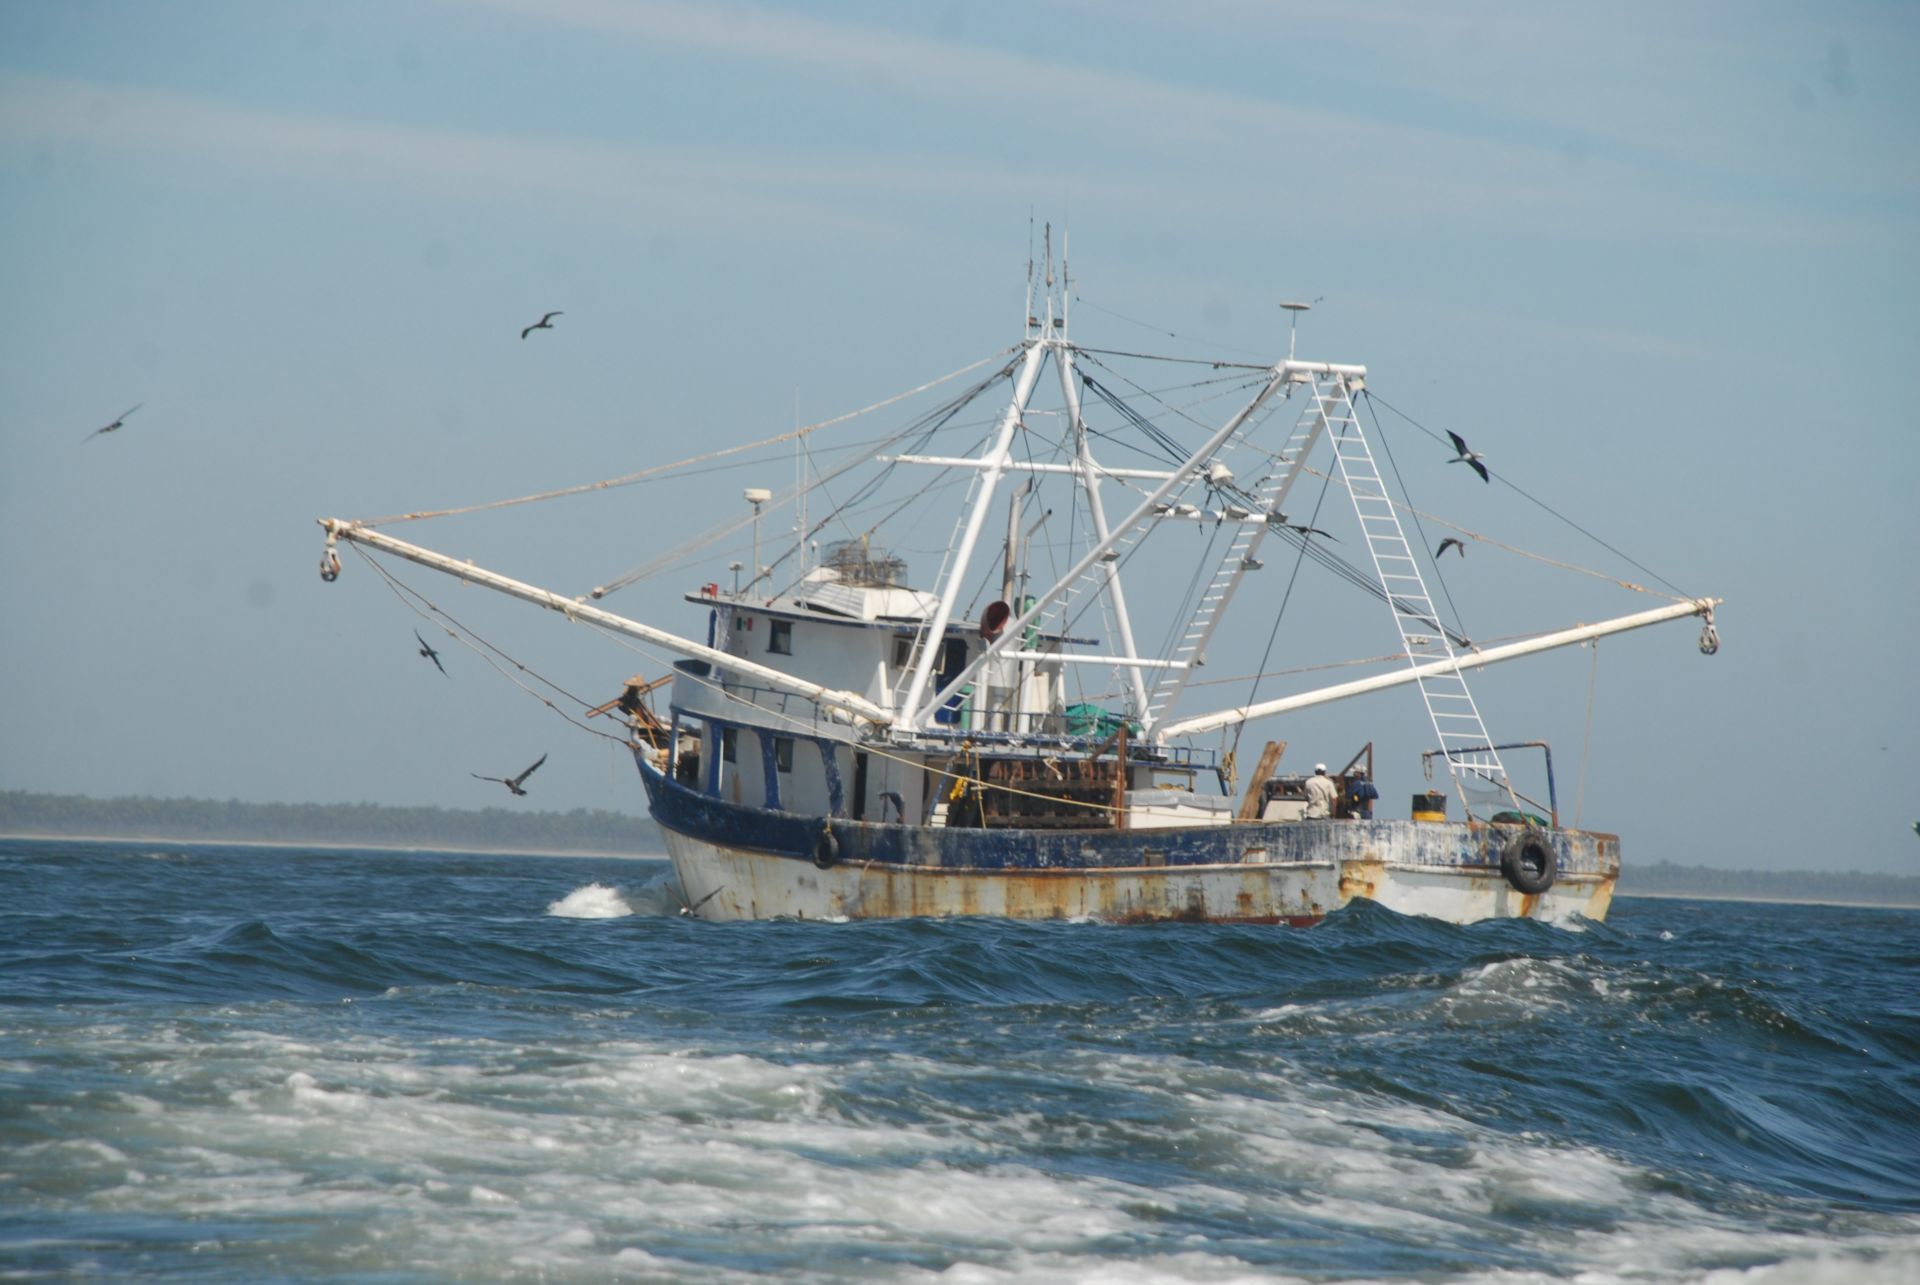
[[780, 637], [783, 753], [902, 651], [729, 737]]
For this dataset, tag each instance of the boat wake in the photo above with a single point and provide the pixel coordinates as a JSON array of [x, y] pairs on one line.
[[594, 901]]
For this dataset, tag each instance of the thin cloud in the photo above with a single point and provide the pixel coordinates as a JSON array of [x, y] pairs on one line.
[[1217, 159], [1613, 159], [643, 186]]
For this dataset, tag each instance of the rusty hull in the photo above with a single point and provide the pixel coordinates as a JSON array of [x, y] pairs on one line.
[[726, 883], [740, 862]]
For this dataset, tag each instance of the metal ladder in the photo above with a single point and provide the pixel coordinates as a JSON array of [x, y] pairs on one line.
[[1238, 559], [1456, 719]]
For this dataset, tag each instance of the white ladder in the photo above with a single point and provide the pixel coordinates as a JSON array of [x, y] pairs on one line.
[[1250, 530], [1456, 719]]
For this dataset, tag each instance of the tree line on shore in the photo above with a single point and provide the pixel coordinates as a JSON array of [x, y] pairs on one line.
[[580, 830], [1663, 878]]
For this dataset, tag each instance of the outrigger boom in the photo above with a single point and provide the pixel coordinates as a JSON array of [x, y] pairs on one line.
[[1472, 660], [574, 609], [858, 707]]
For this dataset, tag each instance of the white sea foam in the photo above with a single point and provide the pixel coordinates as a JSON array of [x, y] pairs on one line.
[[594, 901], [459, 1157]]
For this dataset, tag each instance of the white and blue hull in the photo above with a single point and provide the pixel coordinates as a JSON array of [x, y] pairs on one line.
[[738, 862]]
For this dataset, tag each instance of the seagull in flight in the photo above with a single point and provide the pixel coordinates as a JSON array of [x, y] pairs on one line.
[[1447, 543], [1460, 445], [545, 323], [117, 423], [431, 655], [512, 783]]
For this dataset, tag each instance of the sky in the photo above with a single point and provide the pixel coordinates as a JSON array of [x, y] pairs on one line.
[[1658, 262]]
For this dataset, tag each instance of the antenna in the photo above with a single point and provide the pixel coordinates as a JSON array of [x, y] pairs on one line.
[[1066, 281], [1294, 322], [1032, 321], [1046, 233], [756, 496], [799, 487]]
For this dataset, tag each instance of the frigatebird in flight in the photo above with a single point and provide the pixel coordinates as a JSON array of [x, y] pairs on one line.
[[1467, 456], [1447, 543], [512, 783], [545, 323], [430, 654], [117, 423]]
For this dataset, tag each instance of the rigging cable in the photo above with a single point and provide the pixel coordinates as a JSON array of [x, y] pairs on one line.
[[927, 425], [1371, 397], [1421, 531], [425, 608], [1144, 325], [1305, 544], [938, 416], [643, 474]]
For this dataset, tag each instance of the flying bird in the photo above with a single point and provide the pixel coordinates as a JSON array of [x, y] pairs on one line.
[[117, 423], [1460, 445], [1447, 543], [545, 323], [512, 783], [430, 654]]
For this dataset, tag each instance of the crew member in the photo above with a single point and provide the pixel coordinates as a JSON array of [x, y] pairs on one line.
[[1360, 795], [1321, 792]]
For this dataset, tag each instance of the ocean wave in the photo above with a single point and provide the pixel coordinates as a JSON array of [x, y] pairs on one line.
[[408, 1067]]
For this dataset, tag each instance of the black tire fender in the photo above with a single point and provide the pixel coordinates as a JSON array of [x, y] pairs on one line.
[[1528, 862], [826, 849]]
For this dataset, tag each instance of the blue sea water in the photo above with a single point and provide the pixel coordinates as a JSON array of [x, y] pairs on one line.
[[251, 1063]]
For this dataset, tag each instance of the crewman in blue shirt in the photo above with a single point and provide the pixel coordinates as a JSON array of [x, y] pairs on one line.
[[1360, 795]]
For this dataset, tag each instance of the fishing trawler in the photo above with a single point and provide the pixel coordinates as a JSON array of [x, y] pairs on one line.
[[850, 741]]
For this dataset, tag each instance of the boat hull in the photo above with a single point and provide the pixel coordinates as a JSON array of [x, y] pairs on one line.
[[736, 862]]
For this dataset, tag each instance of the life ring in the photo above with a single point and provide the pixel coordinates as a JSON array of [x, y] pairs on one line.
[[1528, 863], [826, 850]]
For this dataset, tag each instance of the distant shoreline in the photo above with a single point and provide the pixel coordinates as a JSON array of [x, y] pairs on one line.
[[1770, 901], [339, 825], [332, 846]]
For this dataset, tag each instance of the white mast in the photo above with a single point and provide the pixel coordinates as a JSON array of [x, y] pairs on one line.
[[1090, 483], [916, 715], [995, 461]]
